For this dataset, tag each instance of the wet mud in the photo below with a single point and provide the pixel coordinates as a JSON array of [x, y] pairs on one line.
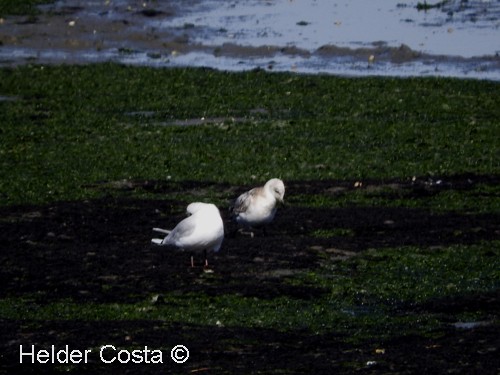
[[99, 251], [250, 35]]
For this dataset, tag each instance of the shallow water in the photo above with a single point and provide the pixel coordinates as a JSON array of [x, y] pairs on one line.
[[345, 37], [310, 24]]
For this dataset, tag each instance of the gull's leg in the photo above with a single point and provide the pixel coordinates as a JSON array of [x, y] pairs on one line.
[[205, 255], [247, 231]]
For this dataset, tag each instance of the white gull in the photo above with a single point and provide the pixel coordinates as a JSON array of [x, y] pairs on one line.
[[201, 231]]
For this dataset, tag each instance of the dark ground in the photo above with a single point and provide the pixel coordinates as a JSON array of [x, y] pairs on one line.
[[71, 249]]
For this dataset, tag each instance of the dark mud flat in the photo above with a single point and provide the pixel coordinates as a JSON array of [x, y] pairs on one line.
[[98, 251]]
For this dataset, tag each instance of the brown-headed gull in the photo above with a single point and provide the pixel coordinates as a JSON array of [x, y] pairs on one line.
[[257, 207], [201, 231]]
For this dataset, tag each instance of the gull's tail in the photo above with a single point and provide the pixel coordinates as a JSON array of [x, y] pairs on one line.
[[159, 230], [159, 241]]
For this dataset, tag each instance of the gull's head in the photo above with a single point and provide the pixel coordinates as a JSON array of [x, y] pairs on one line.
[[195, 207], [277, 188]]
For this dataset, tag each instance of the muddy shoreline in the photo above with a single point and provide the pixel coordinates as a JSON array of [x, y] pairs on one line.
[[141, 33]]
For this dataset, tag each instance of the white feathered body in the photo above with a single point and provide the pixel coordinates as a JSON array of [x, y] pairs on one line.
[[203, 230]]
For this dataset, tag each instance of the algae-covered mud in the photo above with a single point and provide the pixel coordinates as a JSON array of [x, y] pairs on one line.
[[360, 38], [384, 259], [365, 289]]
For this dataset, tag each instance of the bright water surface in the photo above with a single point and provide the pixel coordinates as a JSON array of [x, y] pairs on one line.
[[346, 37]]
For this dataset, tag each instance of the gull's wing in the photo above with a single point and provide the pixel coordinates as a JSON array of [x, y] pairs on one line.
[[245, 200], [184, 229]]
